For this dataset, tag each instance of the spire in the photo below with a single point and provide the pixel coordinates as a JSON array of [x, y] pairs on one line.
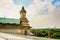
[[23, 10], [22, 7]]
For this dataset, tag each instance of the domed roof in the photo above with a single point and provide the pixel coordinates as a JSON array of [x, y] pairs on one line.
[[23, 10]]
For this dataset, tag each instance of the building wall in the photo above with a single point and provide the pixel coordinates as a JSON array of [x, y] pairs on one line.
[[14, 26], [9, 26]]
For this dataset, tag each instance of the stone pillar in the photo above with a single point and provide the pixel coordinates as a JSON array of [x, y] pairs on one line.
[[21, 32], [28, 32]]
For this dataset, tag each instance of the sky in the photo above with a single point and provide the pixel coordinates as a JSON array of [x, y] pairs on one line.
[[40, 13]]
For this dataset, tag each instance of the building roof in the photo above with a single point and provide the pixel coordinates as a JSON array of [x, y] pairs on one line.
[[9, 20]]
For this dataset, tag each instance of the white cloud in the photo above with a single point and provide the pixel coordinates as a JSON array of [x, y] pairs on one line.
[[8, 9], [38, 20], [35, 18], [35, 7]]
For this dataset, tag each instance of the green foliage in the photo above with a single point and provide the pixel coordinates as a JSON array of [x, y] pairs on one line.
[[55, 33]]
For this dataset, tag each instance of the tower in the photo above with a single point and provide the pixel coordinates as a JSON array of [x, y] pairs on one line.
[[24, 23]]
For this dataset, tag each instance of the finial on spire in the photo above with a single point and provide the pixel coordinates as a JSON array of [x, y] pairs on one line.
[[23, 10], [22, 7]]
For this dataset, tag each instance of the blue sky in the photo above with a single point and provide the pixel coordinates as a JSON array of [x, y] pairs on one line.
[[25, 3], [55, 1], [28, 2], [38, 13], [42, 0]]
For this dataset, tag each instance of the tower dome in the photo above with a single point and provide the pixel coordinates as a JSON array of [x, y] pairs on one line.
[[23, 10]]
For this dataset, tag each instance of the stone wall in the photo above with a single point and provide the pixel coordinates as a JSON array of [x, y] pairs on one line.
[[9, 26]]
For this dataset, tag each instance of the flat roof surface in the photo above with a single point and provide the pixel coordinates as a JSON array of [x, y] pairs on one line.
[[9, 20]]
